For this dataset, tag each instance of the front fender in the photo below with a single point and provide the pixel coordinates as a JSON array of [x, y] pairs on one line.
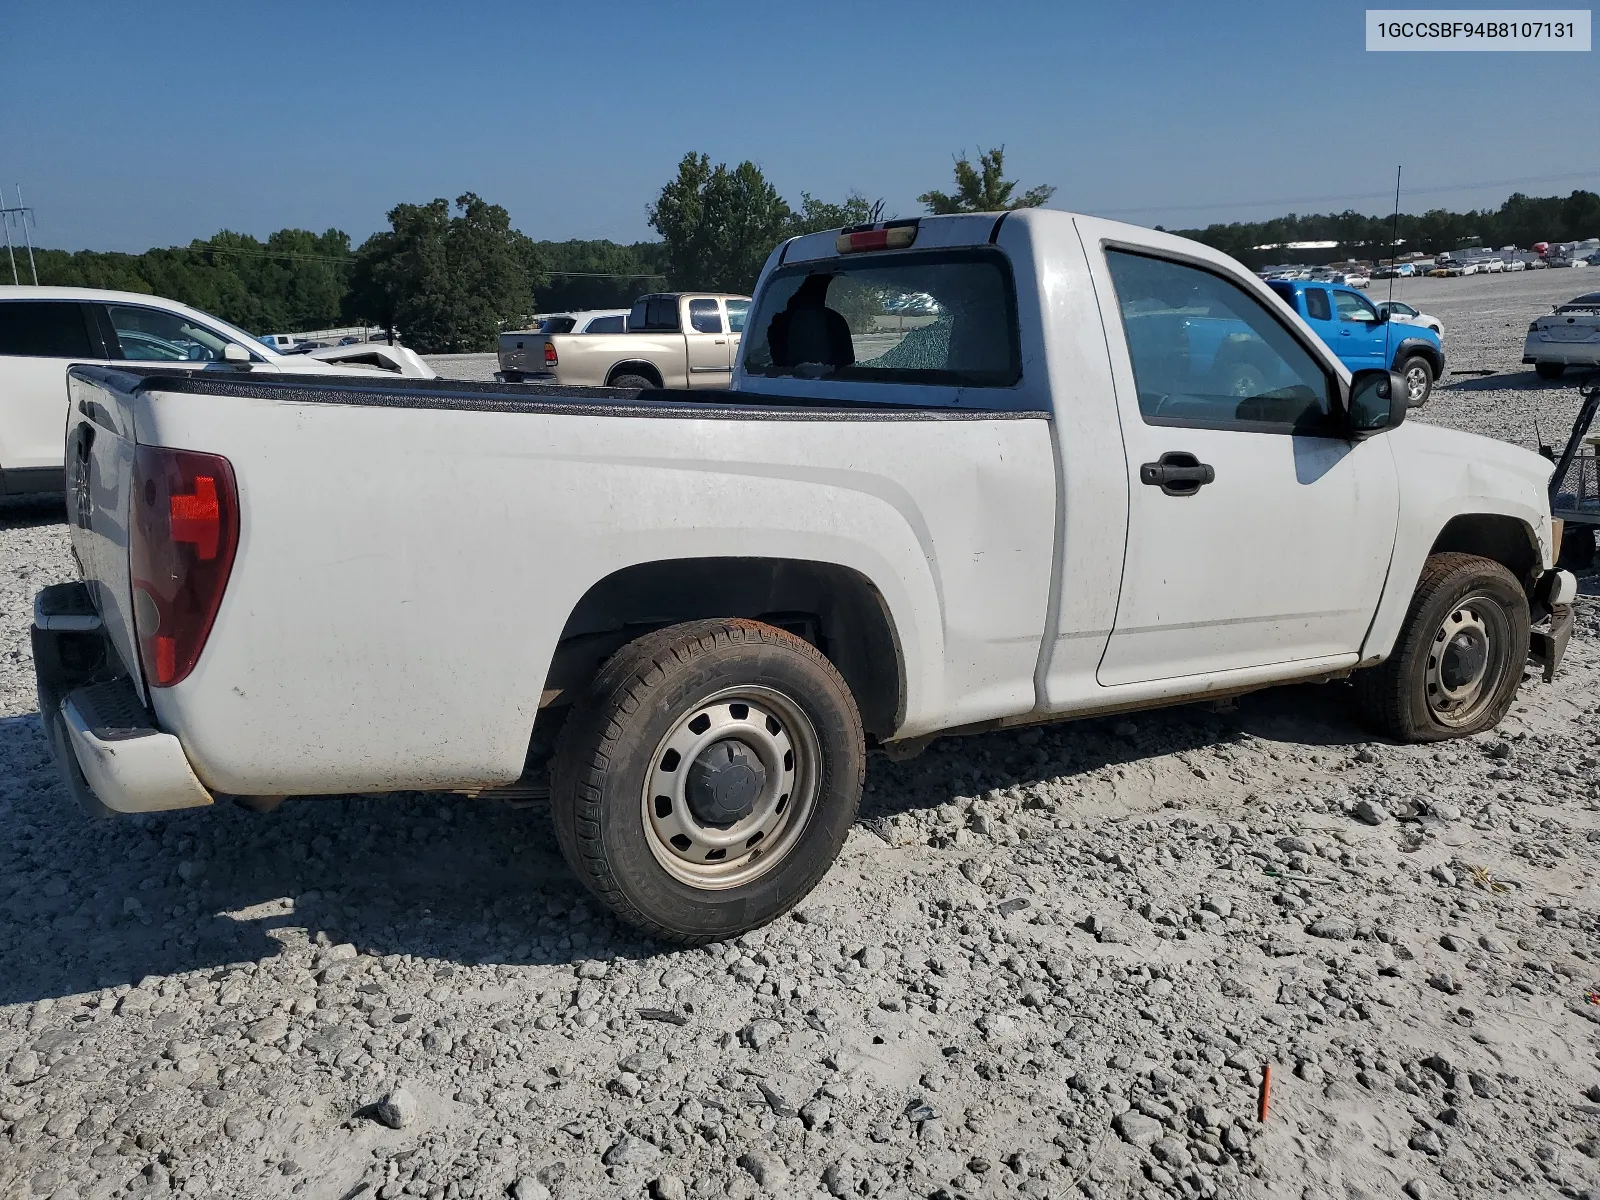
[[1444, 475], [1418, 345]]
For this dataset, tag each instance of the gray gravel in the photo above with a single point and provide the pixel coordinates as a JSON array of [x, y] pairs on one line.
[[1049, 963]]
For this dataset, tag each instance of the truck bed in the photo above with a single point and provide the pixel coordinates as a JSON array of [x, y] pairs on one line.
[[405, 572]]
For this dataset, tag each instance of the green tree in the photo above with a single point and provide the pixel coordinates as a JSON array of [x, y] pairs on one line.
[[718, 225], [984, 188], [449, 283], [814, 216], [577, 275]]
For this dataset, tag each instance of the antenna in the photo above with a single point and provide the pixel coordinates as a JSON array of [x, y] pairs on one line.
[[1394, 266]]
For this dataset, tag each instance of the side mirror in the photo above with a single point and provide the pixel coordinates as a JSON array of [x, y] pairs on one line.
[[235, 353], [1377, 401]]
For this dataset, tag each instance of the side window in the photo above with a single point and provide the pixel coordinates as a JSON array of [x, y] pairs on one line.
[[154, 335], [738, 314], [1317, 304], [1208, 354], [1354, 308], [704, 317], [605, 325], [44, 329]]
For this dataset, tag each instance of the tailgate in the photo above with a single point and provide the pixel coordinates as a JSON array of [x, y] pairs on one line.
[[99, 469], [522, 351]]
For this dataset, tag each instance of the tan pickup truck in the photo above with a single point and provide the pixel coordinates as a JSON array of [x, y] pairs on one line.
[[674, 340]]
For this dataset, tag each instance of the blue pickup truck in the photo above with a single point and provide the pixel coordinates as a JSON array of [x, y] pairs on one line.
[[1361, 336]]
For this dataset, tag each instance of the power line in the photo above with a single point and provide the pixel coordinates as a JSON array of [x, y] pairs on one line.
[[1256, 203]]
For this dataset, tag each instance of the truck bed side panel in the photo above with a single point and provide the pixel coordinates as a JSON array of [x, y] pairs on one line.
[[404, 572]]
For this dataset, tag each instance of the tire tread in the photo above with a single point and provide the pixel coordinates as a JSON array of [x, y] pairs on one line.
[[1381, 690], [593, 734]]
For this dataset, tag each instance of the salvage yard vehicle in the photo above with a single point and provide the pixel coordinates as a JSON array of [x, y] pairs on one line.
[[673, 340], [44, 330], [1568, 337], [692, 613], [1363, 336], [1394, 310], [522, 350]]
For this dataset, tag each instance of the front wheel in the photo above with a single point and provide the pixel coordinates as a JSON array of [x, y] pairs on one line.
[[707, 778], [1549, 370], [1419, 380], [1458, 661]]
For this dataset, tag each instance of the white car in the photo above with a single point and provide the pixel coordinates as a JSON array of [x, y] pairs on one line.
[[692, 609], [1394, 310], [380, 356], [1568, 337], [44, 330], [1356, 279]]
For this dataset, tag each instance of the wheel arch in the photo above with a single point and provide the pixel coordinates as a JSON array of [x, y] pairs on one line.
[[641, 367], [836, 608], [1504, 539], [1410, 346]]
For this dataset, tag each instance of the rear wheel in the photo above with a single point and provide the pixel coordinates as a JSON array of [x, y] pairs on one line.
[[1458, 661], [631, 383], [706, 779], [1549, 370], [1418, 374]]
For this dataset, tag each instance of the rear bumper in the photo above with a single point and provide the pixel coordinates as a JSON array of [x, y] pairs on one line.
[[107, 746]]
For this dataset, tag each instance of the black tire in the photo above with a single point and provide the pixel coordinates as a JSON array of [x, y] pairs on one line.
[[633, 383], [610, 761], [1547, 370], [1418, 372], [1406, 697]]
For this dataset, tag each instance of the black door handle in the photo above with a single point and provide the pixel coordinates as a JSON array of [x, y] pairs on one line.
[[1178, 473]]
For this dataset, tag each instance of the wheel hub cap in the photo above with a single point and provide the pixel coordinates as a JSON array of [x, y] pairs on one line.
[[1459, 661], [731, 788], [1464, 660], [724, 783]]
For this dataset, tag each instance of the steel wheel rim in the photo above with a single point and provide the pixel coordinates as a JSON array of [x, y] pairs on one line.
[[1416, 384], [1456, 696], [715, 858]]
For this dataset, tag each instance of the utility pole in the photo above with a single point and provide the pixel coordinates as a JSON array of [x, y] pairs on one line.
[[22, 214], [27, 215]]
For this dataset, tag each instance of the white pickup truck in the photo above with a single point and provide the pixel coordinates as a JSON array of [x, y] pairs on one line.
[[696, 614]]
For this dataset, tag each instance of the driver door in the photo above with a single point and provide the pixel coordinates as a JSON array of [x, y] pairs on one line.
[[1258, 532], [1361, 334]]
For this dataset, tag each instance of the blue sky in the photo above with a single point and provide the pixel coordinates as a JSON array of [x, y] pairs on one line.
[[132, 125]]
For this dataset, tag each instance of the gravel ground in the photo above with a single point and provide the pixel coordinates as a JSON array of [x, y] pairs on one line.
[[464, 366], [1049, 963]]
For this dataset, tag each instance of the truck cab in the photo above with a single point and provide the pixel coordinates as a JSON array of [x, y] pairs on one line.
[[1363, 337]]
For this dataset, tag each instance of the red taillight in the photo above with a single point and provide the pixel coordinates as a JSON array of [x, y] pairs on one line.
[[184, 529], [550, 359], [886, 237]]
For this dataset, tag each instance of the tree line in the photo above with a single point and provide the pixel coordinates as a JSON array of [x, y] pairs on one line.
[[1520, 221], [451, 275]]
